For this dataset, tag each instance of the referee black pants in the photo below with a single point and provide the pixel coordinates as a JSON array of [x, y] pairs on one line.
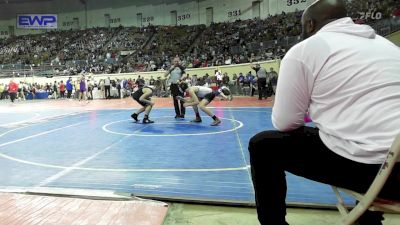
[[262, 89], [107, 91], [301, 152], [178, 105]]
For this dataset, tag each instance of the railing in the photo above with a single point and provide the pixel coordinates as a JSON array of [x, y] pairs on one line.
[[387, 26]]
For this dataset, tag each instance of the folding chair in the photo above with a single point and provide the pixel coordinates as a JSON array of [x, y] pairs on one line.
[[369, 200]]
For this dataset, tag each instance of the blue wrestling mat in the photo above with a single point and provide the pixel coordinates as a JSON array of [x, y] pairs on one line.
[[170, 159]]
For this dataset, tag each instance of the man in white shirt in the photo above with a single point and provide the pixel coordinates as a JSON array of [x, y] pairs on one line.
[[107, 87], [347, 79], [218, 75]]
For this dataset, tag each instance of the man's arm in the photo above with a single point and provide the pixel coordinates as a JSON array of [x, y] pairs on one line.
[[229, 98], [293, 95], [255, 68], [169, 71], [183, 73]]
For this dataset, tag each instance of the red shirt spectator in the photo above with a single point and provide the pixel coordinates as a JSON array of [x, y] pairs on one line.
[[62, 87], [13, 87], [396, 12]]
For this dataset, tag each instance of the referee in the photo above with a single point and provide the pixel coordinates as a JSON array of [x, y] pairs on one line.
[[176, 73], [261, 81]]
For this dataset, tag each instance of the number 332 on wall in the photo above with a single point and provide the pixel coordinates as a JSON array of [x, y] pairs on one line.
[[295, 2]]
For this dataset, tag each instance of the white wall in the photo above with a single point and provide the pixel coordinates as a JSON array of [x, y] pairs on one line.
[[230, 69], [231, 10], [157, 14], [3, 34], [69, 18], [156, 11], [222, 8], [53, 7], [3, 29], [279, 6], [96, 17], [12, 22], [185, 10], [127, 16]]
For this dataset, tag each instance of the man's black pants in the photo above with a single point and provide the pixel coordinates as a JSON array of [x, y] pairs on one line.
[[178, 105], [301, 152]]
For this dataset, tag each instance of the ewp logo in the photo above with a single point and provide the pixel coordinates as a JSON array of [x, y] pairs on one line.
[[40, 21], [35, 21]]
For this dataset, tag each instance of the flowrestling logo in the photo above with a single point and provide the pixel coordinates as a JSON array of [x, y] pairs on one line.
[[37, 21], [370, 15]]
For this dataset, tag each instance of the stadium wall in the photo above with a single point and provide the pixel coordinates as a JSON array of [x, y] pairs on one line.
[[230, 69], [156, 12]]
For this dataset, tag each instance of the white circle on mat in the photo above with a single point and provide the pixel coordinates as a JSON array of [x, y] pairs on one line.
[[237, 125]]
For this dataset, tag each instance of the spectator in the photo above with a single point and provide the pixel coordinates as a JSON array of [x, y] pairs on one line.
[[12, 90], [272, 81], [62, 89], [107, 87], [69, 87]]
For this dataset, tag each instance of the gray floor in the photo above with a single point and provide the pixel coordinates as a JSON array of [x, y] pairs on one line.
[[185, 214]]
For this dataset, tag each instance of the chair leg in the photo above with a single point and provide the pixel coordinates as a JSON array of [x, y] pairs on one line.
[[349, 218], [340, 205], [354, 214]]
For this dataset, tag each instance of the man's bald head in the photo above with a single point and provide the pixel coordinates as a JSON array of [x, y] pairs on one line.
[[176, 61], [320, 13]]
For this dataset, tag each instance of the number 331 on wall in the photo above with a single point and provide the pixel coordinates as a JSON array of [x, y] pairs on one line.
[[234, 13], [295, 2]]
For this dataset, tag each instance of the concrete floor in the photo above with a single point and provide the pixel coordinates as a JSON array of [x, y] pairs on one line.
[[190, 214]]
